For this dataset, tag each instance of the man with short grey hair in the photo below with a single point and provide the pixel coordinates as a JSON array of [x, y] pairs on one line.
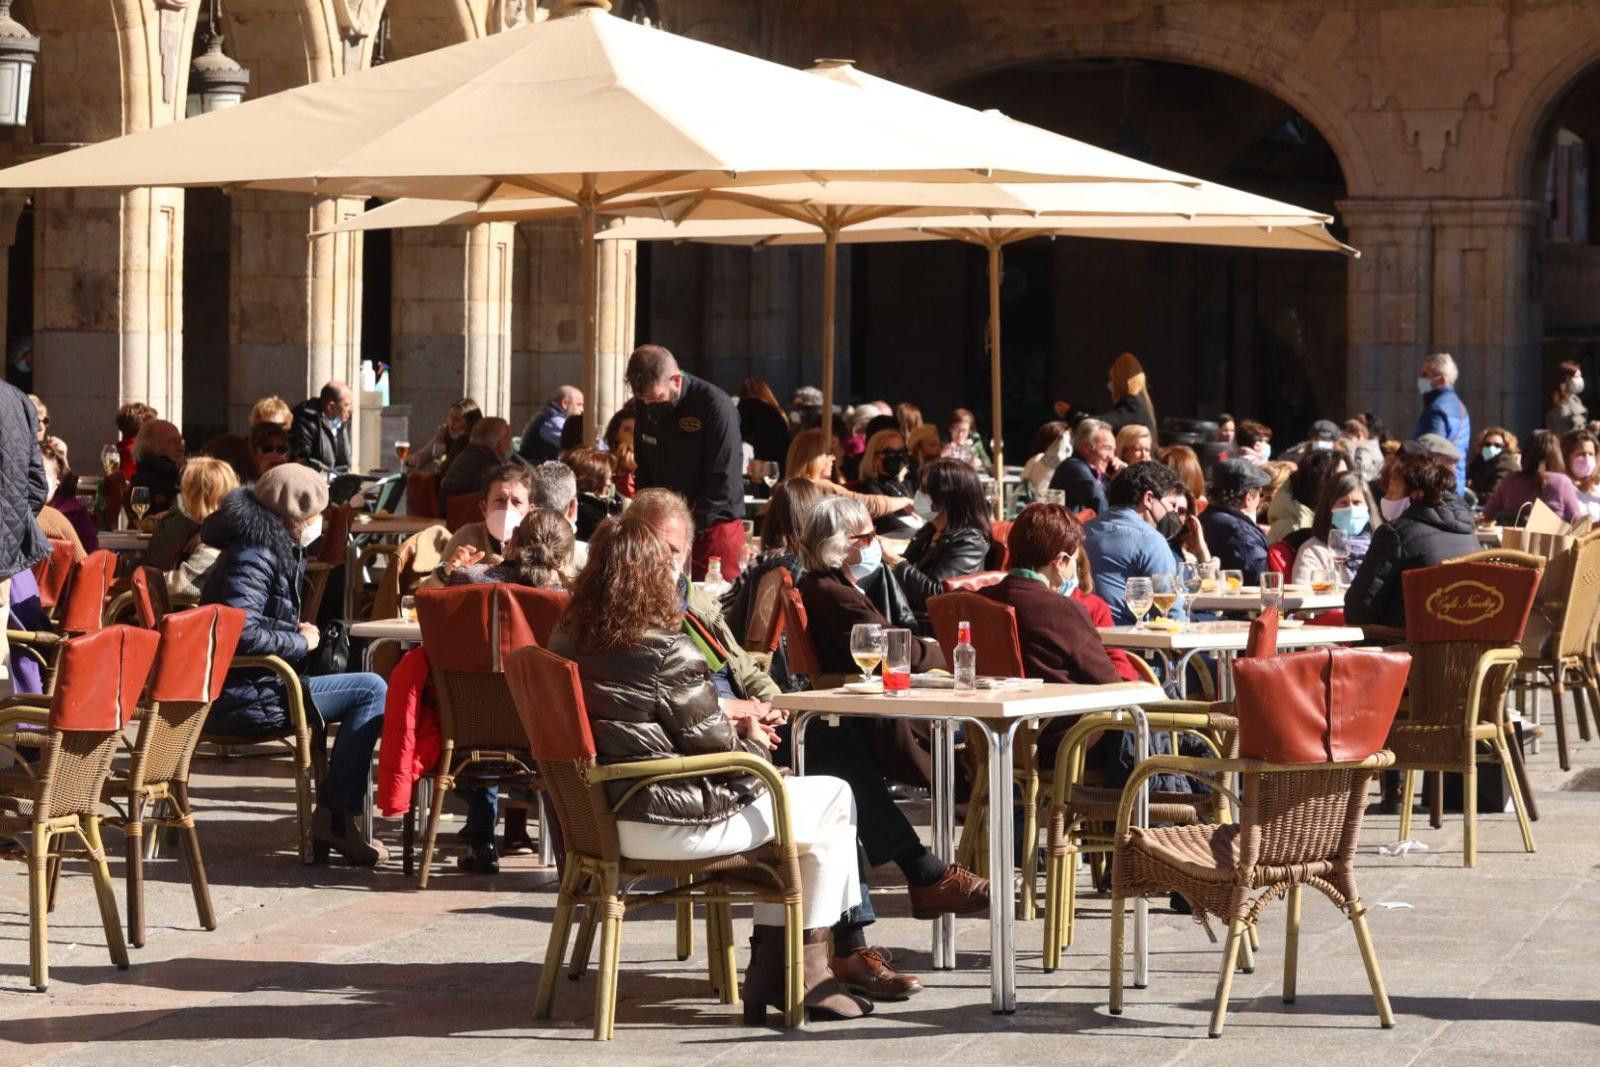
[[320, 433], [1084, 475], [541, 438], [556, 487], [1443, 413]]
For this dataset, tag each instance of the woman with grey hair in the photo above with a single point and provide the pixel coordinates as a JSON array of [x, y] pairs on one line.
[[839, 550]]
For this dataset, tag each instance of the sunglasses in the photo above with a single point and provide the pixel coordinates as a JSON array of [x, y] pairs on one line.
[[276, 450]]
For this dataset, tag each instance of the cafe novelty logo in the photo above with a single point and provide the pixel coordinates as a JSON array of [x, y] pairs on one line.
[[689, 424], [1465, 603]]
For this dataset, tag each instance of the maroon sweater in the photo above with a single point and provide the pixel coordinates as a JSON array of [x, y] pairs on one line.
[[1059, 642], [833, 606]]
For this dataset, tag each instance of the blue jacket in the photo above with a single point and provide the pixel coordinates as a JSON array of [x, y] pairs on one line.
[[541, 438], [1443, 413], [1235, 541], [1083, 487], [1121, 545], [259, 572]]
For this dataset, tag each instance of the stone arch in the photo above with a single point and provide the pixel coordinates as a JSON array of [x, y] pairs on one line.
[[1556, 76], [1257, 62]]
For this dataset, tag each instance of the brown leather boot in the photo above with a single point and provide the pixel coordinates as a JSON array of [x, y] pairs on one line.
[[825, 998], [331, 831], [866, 972], [763, 979]]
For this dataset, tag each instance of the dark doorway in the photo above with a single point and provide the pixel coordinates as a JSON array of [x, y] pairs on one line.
[[19, 304], [377, 293], [207, 277]]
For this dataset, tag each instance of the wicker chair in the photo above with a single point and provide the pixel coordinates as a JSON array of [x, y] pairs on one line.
[[462, 510], [98, 681], [197, 647], [79, 610], [468, 632], [1568, 654], [1311, 723], [971, 583], [802, 653], [595, 874], [1464, 622]]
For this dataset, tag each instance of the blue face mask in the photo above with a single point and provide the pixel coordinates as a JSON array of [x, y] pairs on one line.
[[1069, 585], [1351, 521], [1491, 452], [871, 562]]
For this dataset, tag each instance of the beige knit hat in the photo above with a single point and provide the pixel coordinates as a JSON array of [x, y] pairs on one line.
[[292, 490]]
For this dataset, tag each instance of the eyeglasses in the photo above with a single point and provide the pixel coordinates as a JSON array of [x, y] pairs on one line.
[[45, 421]]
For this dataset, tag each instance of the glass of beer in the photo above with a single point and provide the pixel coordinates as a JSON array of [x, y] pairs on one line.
[[1271, 590], [866, 647], [110, 460], [1208, 575], [896, 662], [402, 449], [1164, 593]]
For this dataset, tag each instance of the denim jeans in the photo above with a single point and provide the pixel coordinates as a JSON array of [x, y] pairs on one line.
[[355, 702], [483, 806]]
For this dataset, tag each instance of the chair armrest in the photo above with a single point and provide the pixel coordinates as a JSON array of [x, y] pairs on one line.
[[649, 772], [1502, 659], [1213, 770], [24, 709], [1183, 715], [291, 684], [34, 637]]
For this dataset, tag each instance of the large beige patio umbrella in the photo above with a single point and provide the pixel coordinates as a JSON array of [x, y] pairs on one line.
[[583, 109]]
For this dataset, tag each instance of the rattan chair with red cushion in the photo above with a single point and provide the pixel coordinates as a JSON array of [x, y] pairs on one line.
[[99, 677], [468, 632], [422, 495], [1464, 626], [803, 658], [80, 609], [151, 602], [549, 700], [1280, 558], [331, 556], [999, 557], [196, 651], [971, 583], [51, 572], [1324, 715], [462, 509]]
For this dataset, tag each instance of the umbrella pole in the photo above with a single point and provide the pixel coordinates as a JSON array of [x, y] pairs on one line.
[[588, 292], [994, 377], [830, 296]]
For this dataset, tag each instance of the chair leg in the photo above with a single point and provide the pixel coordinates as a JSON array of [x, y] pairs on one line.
[[133, 847], [1118, 927], [1054, 894], [609, 906], [430, 836], [38, 911], [1247, 951], [1580, 698], [1558, 691], [1469, 812], [1408, 785], [54, 866], [685, 924], [302, 794], [583, 947], [719, 942], [1069, 916], [794, 984], [1030, 846], [1519, 803], [1291, 943], [105, 893], [1529, 801], [1433, 781], [198, 884], [1230, 958], [560, 931], [1380, 996]]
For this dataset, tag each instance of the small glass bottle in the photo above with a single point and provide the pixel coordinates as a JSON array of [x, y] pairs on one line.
[[713, 571], [966, 662]]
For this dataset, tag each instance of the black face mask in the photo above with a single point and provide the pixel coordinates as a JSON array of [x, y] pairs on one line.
[[654, 413], [893, 462], [1170, 526]]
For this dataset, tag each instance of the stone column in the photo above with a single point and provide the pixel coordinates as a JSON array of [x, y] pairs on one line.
[[452, 320], [296, 316], [1444, 275], [108, 312], [617, 296]]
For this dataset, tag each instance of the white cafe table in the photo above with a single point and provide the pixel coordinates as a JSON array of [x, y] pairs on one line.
[[380, 528], [1248, 600], [124, 541], [995, 714], [385, 632], [1224, 639]]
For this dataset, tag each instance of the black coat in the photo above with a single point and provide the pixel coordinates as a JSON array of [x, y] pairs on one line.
[[23, 488], [763, 429], [260, 572], [1131, 410], [311, 441], [893, 525], [468, 473], [693, 448], [1236, 541], [1084, 487], [592, 511], [1425, 536], [928, 562]]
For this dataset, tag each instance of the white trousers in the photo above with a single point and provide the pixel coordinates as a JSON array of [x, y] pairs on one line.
[[823, 814]]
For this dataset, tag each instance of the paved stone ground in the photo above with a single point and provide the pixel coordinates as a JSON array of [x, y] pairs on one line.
[[1497, 963]]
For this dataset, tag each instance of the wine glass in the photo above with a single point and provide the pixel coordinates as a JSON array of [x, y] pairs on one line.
[[1138, 594], [1191, 578], [866, 647], [769, 473], [1271, 590], [139, 501], [110, 460], [1339, 545], [1164, 593]]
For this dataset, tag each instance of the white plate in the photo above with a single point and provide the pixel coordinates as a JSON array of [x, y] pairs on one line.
[[865, 688]]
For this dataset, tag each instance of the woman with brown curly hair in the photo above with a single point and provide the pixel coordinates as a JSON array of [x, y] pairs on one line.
[[649, 694]]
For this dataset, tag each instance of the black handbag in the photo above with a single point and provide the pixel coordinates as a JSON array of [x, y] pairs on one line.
[[332, 654]]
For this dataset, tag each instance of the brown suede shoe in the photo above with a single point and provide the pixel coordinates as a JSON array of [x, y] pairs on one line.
[[866, 972], [959, 892]]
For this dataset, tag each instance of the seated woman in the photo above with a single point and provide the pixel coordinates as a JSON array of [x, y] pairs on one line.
[[1496, 456], [269, 446], [1293, 507], [886, 471], [619, 442], [811, 456], [836, 544], [205, 484], [1133, 443], [261, 533], [956, 542], [1578, 449], [649, 695], [1542, 477], [1346, 506], [1051, 445], [63, 499], [1426, 524], [448, 440], [592, 469]]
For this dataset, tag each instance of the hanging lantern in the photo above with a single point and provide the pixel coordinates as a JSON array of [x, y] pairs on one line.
[[19, 51], [216, 81]]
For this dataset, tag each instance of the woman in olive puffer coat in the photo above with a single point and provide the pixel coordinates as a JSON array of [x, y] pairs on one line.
[[650, 691]]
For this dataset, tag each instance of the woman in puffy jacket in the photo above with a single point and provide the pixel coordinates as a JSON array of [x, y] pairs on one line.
[[650, 694], [955, 543], [261, 533]]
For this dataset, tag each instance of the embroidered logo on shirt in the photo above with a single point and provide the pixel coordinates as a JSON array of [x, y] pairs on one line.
[[690, 424]]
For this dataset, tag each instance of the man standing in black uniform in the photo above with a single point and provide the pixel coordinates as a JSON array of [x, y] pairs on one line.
[[686, 438]]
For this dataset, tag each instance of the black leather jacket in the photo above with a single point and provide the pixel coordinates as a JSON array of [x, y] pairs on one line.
[[929, 562], [655, 701]]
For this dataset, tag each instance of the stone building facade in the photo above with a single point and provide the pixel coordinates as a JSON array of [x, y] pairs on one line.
[[1443, 119]]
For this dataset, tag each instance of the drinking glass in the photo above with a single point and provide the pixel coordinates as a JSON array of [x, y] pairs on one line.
[[110, 460], [408, 608], [1139, 594], [1232, 581], [139, 501], [1164, 593], [1325, 579], [1208, 575], [1339, 545], [1189, 574], [897, 662], [1271, 590], [866, 647], [402, 449], [769, 473]]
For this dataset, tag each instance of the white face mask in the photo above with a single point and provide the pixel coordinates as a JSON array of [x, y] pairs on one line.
[[1264, 450], [923, 506], [1424, 385], [1576, 386], [312, 531], [502, 523], [871, 560]]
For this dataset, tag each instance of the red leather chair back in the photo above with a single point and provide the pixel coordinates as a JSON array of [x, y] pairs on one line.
[[999, 551], [99, 677], [197, 648], [994, 631], [53, 572], [84, 602], [462, 509], [150, 600], [549, 699], [1263, 639], [1280, 558], [475, 627], [1469, 602], [803, 657], [971, 583], [422, 495], [1313, 707], [335, 535], [765, 628]]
